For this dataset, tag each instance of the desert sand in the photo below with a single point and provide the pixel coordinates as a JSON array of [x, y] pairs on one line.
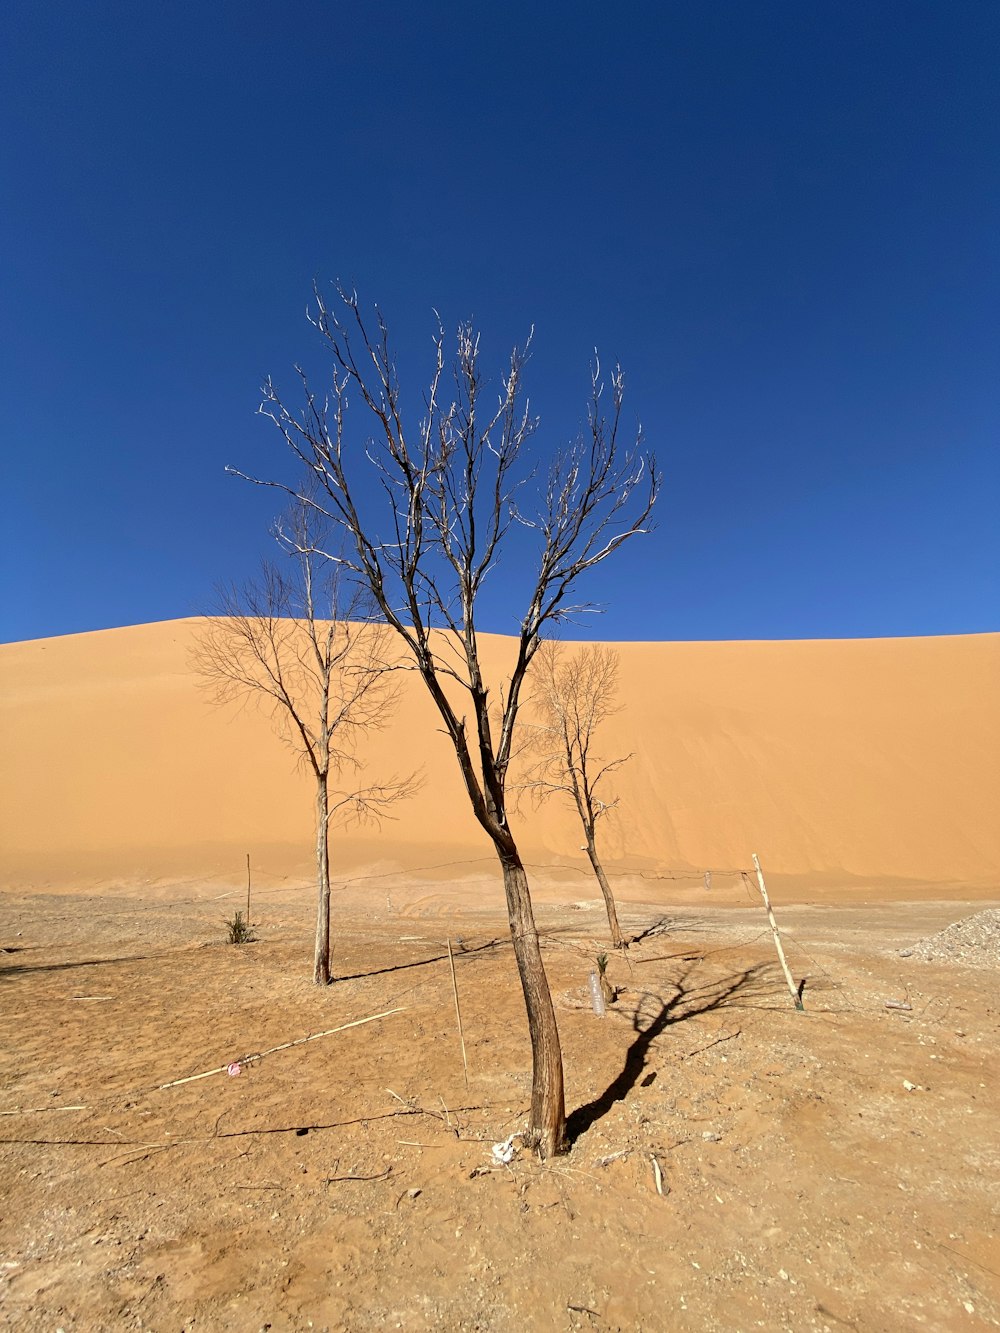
[[841, 763], [832, 1169]]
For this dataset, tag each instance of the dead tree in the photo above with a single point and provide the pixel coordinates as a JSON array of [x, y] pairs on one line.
[[451, 494], [287, 641], [573, 695]]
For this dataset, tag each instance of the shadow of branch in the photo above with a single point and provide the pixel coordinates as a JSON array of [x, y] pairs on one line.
[[462, 951], [15, 970], [687, 1002]]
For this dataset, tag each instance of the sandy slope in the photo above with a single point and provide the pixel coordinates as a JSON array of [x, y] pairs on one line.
[[842, 761]]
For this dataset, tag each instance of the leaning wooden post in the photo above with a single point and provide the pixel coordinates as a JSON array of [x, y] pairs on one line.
[[777, 937]]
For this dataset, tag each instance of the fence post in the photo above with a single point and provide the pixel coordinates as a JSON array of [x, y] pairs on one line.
[[777, 937]]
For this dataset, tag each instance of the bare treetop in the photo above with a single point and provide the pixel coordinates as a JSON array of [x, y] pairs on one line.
[[454, 486]]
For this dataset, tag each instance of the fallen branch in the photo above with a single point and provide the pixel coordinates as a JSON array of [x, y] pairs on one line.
[[334, 1180], [414, 1108]]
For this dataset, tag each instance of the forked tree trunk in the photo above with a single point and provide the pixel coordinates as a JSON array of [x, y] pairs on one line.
[[321, 957], [609, 900], [547, 1127]]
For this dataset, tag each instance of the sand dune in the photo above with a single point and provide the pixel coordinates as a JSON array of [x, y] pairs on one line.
[[842, 761]]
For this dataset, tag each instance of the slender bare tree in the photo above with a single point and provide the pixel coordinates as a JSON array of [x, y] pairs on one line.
[[290, 641], [453, 493], [573, 695]]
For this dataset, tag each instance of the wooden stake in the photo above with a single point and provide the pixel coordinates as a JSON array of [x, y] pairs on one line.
[[285, 1046], [248, 888], [657, 1173], [458, 1012], [777, 937]]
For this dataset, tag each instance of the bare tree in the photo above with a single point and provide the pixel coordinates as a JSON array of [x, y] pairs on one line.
[[286, 640], [451, 496], [574, 695]]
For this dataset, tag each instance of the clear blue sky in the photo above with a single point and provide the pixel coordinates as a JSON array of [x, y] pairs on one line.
[[782, 218]]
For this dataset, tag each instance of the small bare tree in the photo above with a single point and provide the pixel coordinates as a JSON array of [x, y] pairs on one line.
[[451, 495], [573, 695], [287, 641]]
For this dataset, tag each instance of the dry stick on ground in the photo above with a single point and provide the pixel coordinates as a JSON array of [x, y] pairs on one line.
[[416, 1109], [382, 1175], [427, 513], [796, 996]]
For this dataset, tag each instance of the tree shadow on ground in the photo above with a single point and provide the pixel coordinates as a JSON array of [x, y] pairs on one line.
[[687, 1002], [680, 924], [15, 970], [463, 951]]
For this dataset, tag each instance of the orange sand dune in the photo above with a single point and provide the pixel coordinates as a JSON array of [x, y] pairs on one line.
[[840, 761]]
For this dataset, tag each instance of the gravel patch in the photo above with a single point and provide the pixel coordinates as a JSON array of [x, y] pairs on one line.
[[975, 941]]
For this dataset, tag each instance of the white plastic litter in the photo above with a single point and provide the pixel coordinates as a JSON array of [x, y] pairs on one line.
[[505, 1152]]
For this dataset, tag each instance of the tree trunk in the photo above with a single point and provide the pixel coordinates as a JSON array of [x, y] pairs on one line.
[[321, 959], [547, 1127], [609, 901]]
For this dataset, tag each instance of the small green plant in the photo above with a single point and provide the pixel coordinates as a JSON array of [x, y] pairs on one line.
[[240, 929], [602, 964]]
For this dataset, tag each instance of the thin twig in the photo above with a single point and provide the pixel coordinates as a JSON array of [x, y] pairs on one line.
[[334, 1180], [131, 1159]]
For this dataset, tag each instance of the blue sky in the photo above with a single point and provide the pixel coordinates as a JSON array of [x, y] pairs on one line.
[[782, 218]]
